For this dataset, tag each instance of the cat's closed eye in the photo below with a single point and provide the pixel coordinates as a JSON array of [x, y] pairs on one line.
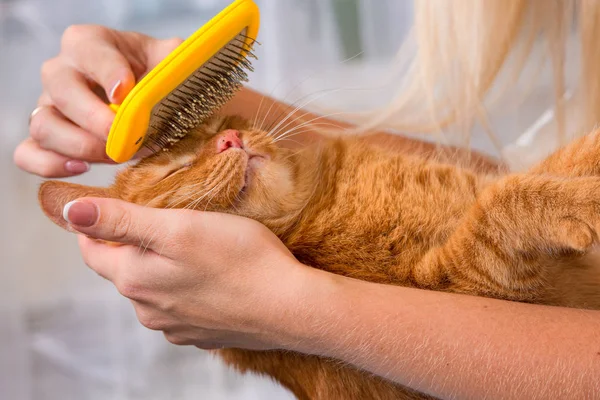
[[179, 168]]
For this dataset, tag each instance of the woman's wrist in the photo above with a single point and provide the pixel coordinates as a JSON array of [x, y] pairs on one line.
[[309, 314], [298, 307]]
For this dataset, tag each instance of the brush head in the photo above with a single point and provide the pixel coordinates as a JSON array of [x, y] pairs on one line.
[[188, 86], [201, 94]]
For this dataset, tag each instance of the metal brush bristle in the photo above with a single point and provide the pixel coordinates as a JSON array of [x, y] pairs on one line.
[[199, 96]]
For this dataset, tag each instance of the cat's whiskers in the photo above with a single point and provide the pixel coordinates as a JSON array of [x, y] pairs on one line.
[[147, 243], [301, 106], [292, 134], [183, 197], [273, 102], [235, 197], [255, 119], [295, 107], [309, 127], [303, 122], [226, 173], [323, 92], [284, 108], [295, 153], [297, 85], [211, 198], [215, 189]]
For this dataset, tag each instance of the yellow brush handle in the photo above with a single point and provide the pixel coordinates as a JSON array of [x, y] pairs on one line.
[[133, 115]]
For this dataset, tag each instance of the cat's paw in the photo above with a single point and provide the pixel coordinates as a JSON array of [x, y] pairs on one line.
[[577, 234], [577, 216], [543, 215]]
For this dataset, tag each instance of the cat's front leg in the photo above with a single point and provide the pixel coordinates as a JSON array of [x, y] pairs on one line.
[[509, 241], [314, 378]]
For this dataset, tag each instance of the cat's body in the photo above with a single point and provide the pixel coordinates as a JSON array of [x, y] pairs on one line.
[[371, 213]]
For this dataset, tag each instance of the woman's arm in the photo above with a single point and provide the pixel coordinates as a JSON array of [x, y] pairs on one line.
[[188, 285], [449, 345]]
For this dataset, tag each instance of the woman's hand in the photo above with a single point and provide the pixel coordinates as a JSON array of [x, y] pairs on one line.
[[217, 280], [69, 128], [205, 279]]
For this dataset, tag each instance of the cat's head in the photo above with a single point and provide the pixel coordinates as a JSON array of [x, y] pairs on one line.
[[224, 165]]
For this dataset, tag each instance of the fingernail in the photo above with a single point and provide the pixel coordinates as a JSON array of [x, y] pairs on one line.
[[80, 213], [76, 166], [113, 91]]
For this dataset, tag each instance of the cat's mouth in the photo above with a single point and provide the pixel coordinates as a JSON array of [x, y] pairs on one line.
[[250, 162]]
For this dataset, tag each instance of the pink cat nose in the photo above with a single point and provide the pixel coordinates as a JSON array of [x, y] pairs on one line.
[[227, 139]]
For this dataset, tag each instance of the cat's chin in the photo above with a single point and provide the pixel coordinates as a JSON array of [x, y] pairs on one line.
[[254, 162]]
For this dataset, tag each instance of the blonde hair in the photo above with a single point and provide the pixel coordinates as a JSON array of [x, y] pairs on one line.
[[467, 53]]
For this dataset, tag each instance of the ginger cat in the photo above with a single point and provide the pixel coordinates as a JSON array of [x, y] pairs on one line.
[[365, 211]]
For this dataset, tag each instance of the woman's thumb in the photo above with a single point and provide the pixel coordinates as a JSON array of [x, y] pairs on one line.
[[110, 219]]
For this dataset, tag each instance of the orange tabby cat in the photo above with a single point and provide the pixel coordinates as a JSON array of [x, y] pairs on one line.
[[364, 211]]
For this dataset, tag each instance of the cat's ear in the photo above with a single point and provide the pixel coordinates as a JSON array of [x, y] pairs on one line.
[[53, 195]]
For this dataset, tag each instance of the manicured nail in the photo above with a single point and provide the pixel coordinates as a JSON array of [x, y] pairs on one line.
[[76, 166], [113, 91], [80, 213]]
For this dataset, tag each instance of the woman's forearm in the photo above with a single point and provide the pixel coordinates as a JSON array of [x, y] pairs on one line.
[[449, 345]]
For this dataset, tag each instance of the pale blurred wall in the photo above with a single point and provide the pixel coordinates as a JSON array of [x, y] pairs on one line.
[[64, 332]]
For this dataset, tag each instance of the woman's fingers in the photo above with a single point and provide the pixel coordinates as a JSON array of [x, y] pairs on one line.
[[71, 95], [104, 259], [108, 68], [157, 50], [114, 220], [30, 157], [54, 132], [93, 50], [152, 317], [95, 65], [127, 267]]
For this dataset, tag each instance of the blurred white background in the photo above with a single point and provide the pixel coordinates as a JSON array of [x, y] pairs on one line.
[[64, 332]]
